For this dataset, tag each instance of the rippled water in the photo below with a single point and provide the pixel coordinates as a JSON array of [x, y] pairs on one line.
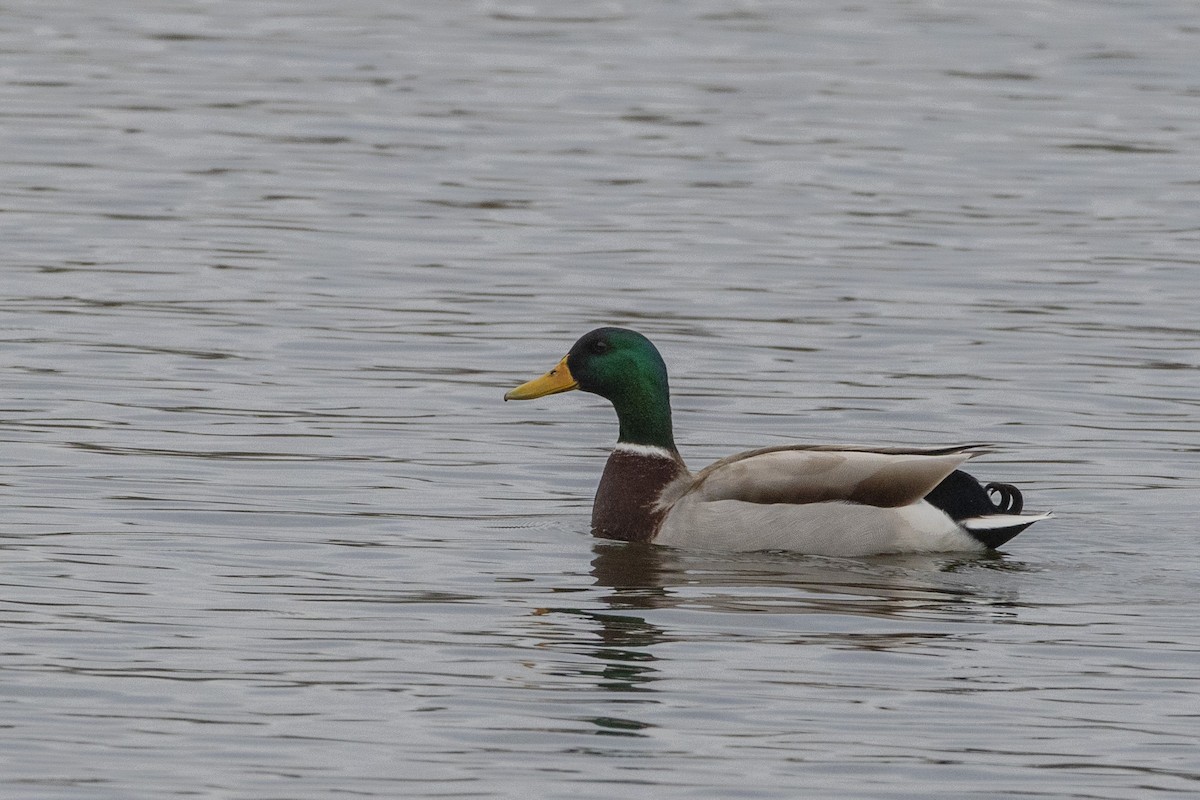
[[268, 530]]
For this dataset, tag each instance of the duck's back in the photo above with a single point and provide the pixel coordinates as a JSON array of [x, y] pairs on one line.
[[818, 500]]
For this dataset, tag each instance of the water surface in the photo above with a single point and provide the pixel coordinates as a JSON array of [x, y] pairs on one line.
[[268, 269]]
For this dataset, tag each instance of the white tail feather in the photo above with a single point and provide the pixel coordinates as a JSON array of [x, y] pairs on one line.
[[996, 521]]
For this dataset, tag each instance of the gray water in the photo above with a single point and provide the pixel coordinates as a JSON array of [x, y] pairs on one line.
[[268, 530]]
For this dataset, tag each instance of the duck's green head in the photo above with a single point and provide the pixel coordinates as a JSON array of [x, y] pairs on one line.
[[623, 367]]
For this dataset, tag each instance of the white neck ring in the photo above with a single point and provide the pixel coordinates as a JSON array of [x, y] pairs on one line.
[[643, 450]]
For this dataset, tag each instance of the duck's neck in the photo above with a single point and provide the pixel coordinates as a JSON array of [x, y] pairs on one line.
[[626, 505], [644, 413]]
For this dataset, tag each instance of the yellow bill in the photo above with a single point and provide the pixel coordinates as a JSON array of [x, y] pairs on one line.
[[556, 380]]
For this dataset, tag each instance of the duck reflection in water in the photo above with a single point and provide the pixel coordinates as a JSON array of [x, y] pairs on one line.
[[647, 576]]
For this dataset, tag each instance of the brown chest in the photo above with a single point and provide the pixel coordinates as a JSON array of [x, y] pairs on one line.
[[627, 498]]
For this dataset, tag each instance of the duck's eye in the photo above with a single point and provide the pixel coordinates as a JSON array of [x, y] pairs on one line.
[[599, 346]]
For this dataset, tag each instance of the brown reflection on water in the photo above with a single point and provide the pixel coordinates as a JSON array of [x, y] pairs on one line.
[[648, 576]]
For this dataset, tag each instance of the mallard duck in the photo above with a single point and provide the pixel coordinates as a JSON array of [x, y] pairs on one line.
[[813, 499]]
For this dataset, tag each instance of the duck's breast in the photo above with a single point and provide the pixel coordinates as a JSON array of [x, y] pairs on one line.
[[627, 501]]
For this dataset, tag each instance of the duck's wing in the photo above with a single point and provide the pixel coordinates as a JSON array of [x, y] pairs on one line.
[[798, 475]]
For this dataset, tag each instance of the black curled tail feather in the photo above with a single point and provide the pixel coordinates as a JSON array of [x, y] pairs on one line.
[[1010, 500]]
